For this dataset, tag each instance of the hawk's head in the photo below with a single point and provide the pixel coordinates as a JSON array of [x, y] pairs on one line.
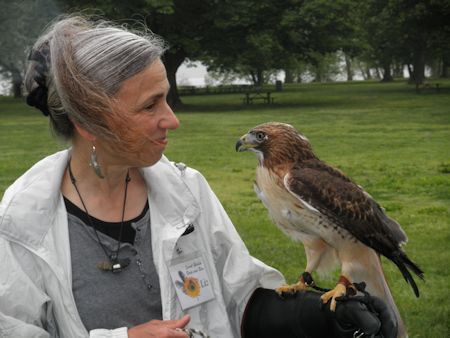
[[276, 143]]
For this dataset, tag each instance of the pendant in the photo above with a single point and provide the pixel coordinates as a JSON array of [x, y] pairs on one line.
[[115, 266], [120, 264], [104, 266]]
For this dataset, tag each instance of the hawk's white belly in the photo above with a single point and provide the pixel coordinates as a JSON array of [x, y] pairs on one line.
[[293, 216]]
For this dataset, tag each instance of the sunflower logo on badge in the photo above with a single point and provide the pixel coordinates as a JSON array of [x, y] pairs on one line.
[[189, 285]]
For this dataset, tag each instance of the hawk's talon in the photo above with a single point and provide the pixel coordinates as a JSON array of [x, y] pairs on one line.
[[291, 289], [339, 291]]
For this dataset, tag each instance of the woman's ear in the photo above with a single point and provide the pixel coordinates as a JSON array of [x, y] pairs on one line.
[[84, 133]]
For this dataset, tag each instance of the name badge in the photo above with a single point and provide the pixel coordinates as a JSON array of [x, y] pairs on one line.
[[191, 280]]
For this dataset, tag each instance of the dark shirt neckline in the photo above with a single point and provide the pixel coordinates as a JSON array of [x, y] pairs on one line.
[[111, 229]]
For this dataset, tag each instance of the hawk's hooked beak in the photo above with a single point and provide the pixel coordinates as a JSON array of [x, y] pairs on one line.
[[246, 142]]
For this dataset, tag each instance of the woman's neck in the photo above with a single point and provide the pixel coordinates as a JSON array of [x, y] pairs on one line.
[[104, 197]]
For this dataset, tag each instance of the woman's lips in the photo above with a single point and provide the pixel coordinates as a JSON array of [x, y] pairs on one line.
[[161, 141]]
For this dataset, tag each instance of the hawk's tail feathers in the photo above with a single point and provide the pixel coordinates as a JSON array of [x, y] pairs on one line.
[[404, 263]]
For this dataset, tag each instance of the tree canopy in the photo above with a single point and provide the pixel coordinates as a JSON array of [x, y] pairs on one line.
[[258, 37]]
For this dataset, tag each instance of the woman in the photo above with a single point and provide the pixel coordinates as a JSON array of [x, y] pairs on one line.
[[109, 238]]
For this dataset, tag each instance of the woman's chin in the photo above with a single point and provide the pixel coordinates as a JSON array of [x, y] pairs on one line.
[[148, 162]]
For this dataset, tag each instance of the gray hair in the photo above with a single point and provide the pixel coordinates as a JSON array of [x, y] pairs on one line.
[[86, 62]]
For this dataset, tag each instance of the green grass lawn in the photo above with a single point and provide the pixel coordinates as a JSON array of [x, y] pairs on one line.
[[389, 139]]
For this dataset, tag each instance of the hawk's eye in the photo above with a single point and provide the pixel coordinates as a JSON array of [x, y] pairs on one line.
[[260, 136]]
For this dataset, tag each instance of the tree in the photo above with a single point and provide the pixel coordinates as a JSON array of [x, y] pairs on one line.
[[407, 32], [257, 37], [425, 26], [20, 24], [243, 39], [382, 36], [260, 36], [314, 29], [185, 25]]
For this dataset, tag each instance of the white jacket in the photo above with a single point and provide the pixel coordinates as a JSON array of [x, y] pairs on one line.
[[36, 297]]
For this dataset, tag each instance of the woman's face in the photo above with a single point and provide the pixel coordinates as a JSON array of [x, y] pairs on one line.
[[149, 118]]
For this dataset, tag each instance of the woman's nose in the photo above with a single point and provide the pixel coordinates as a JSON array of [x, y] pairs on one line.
[[170, 120]]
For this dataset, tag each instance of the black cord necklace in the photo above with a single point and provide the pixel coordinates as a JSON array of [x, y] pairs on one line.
[[114, 263]]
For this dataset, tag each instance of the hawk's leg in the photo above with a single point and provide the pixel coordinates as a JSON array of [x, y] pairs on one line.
[[304, 281], [315, 249], [342, 287]]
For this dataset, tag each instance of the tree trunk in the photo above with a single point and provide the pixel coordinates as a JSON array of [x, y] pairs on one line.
[[435, 67], [445, 69], [16, 80], [288, 76], [387, 76], [318, 73], [364, 68], [419, 65], [253, 77], [368, 73], [348, 67], [17, 89], [377, 73], [398, 70], [260, 77], [363, 73], [411, 74], [172, 61]]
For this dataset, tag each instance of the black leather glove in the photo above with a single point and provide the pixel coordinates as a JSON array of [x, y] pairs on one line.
[[303, 315], [367, 315]]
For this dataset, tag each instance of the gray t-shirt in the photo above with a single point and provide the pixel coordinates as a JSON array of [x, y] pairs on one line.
[[110, 300]]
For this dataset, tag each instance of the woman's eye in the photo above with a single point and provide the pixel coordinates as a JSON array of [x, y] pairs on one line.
[[150, 107]]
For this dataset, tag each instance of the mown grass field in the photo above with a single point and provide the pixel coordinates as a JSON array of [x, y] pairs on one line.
[[389, 139]]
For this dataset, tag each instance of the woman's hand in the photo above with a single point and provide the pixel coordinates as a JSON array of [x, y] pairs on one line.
[[160, 329]]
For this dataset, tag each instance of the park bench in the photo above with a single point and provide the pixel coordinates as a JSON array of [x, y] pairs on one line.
[[265, 97], [209, 90], [436, 86]]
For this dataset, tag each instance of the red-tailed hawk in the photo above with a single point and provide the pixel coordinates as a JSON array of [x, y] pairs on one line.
[[335, 219]]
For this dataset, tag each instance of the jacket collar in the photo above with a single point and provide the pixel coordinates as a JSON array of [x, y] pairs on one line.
[[169, 195], [29, 207]]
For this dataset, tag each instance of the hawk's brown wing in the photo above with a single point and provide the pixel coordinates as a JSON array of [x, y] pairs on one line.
[[334, 195], [346, 204]]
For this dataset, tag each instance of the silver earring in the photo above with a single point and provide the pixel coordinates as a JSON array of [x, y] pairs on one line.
[[94, 163]]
